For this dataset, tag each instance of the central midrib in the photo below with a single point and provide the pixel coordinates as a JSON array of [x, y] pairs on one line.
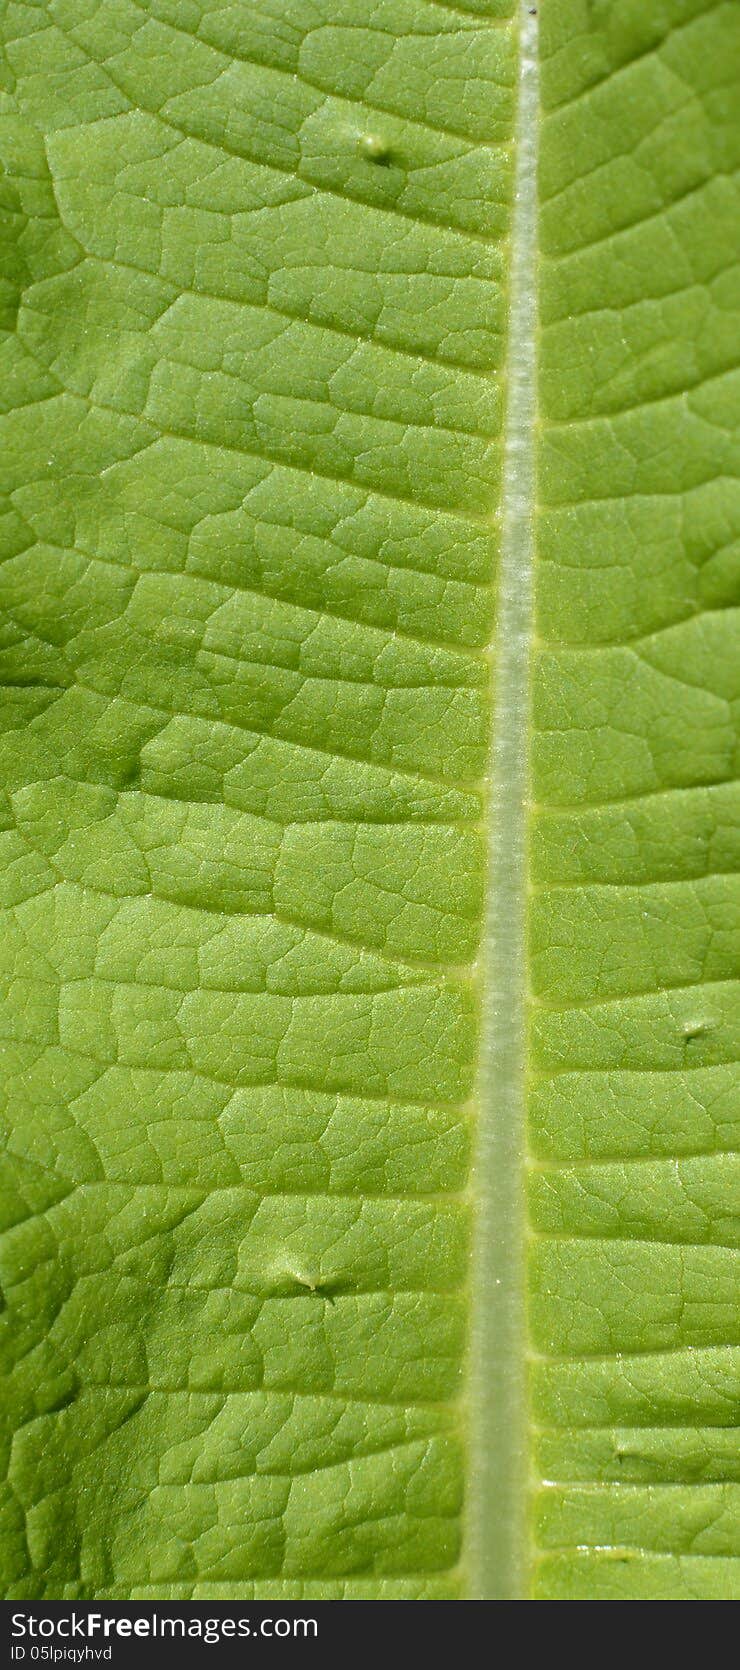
[[497, 1536]]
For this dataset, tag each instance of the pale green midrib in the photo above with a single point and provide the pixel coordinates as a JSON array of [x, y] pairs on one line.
[[497, 1539]]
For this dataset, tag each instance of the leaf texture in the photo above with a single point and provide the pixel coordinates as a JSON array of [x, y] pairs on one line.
[[257, 314], [251, 460], [635, 1182]]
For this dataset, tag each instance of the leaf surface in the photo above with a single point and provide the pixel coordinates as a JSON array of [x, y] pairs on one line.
[[634, 841], [273, 699]]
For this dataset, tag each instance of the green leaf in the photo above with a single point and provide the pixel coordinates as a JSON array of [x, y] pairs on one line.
[[634, 1187], [370, 842]]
